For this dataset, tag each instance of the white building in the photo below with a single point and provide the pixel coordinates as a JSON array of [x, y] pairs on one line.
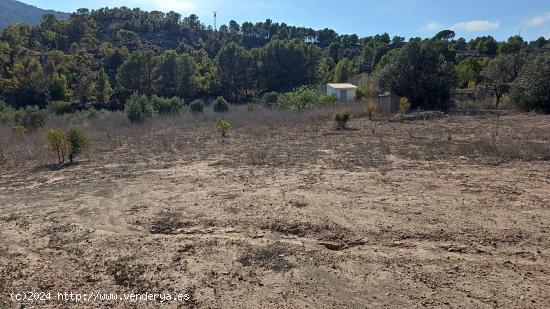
[[344, 92]]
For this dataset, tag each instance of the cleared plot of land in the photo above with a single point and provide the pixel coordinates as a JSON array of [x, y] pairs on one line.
[[290, 214]]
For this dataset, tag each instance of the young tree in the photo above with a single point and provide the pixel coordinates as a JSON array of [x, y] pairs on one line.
[[56, 140], [500, 73], [104, 90], [77, 141]]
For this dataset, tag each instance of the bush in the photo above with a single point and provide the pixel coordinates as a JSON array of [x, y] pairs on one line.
[[197, 106], [327, 99], [366, 91], [224, 127], [168, 106], [20, 130], [56, 141], [270, 98], [304, 97], [342, 118], [31, 117], [60, 108], [220, 105], [531, 90], [139, 108], [404, 107], [7, 113], [370, 109], [77, 141]]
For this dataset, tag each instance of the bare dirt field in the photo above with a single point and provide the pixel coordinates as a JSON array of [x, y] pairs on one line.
[[285, 213]]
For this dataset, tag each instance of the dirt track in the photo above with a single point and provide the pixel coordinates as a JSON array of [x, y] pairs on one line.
[[325, 227]]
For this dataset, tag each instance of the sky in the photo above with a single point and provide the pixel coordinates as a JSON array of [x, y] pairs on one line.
[[408, 18]]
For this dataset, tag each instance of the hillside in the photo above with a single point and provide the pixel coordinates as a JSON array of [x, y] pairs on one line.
[[12, 11]]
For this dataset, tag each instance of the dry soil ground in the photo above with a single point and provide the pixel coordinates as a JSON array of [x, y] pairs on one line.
[[292, 215]]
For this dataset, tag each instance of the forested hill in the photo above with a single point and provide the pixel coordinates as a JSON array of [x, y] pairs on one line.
[[12, 12], [106, 55]]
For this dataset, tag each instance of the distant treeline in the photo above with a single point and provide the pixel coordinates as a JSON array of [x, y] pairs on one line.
[[102, 57]]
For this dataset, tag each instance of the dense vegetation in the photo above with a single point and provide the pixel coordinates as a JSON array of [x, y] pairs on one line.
[[132, 59]]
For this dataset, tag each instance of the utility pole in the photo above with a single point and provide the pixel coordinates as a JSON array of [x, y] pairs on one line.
[[215, 17]]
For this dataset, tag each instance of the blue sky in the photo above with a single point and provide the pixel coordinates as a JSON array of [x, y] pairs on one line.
[[409, 18]]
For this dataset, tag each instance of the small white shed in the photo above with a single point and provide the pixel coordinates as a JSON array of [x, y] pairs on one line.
[[344, 92]]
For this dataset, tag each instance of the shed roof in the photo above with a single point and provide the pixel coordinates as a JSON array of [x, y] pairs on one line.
[[342, 86]]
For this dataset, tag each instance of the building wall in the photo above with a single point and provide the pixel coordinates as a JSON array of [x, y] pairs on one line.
[[336, 92]]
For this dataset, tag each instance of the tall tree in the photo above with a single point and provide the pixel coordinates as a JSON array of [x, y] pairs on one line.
[[103, 87], [419, 73], [343, 71], [234, 63]]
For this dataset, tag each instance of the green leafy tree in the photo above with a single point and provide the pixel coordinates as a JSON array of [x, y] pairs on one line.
[[419, 72], [77, 141], [290, 64], [500, 73], [138, 73], [531, 90], [103, 87], [234, 62], [469, 72], [85, 88], [56, 140], [343, 71]]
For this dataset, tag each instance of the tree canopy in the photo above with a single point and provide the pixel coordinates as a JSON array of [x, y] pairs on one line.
[[101, 57]]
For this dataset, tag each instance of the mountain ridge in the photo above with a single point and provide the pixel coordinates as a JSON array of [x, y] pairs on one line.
[[12, 11]]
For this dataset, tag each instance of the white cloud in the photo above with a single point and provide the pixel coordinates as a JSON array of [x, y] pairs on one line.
[[431, 26], [475, 26], [463, 26], [539, 20]]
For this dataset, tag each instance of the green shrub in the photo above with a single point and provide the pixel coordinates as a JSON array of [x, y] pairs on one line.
[[531, 90], [197, 106], [370, 109], [56, 141], [168, 106], [139, 108], [77, 141], [220, 105], [92, 113], [404, 107], [366, 91], [31, 117], [224, 127], [60, 108], [20, 130], [270, 98], [7, 113], [327, 99], [304, 97], [342, 118]]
